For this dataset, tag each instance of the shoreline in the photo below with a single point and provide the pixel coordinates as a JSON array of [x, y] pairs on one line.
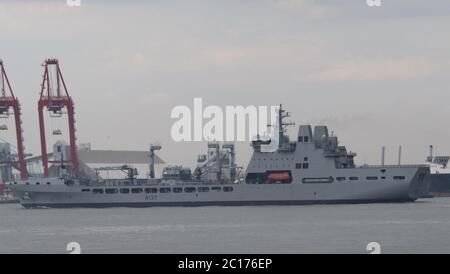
[[13, 201]]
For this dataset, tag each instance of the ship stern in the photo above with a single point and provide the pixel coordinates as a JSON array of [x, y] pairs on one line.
[[419, 186]]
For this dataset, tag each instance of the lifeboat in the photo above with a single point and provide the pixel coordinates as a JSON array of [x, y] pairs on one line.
[[279, 176]]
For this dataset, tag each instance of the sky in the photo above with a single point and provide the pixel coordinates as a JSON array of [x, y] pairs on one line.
[[375, 75]]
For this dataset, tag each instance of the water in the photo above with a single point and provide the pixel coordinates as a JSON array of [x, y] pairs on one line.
[[420, 227]]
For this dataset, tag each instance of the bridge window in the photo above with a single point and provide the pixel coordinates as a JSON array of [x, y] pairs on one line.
[[340, 179], [164, 190], [86, 190], [124, 190], [151, 190], [399, 177], [216, 188], [203, 189], [300, 138], [371, 178], [111, 190], [136, 190], [228, 189], [306, 138], [353, 178], [97, 191], [189, 189]]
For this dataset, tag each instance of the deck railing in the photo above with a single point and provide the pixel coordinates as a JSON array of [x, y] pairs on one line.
[[393, 166]]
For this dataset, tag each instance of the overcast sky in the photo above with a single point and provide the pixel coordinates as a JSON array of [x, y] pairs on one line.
[[376, 76]]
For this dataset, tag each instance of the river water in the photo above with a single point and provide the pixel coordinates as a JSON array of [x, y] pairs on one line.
[[419, 227]]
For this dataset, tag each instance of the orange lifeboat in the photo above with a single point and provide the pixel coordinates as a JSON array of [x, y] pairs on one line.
[[279, 176]]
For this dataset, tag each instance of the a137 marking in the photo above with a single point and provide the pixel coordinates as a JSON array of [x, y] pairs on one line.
[[151, 197]]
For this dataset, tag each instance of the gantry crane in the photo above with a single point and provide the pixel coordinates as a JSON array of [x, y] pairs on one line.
[[7, 102], [55, 97]]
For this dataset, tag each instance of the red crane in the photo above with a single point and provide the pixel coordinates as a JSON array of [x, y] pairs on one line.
[[8, 101], [55, 98]]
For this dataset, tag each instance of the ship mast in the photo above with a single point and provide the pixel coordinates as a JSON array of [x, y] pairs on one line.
[[282, 126]]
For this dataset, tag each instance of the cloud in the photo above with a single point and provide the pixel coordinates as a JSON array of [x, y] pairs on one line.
[[360, 10], [154, 98], [374, 70], [308, 8], [40, 19], [156, 53], [292, 3], [228, 56]]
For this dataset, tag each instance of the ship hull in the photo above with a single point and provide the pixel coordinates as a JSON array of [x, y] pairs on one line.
[[60, 195], [440, 184], [214, 203]]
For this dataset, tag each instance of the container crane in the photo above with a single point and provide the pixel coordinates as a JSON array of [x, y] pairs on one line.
[[55, 97], [7, 102]]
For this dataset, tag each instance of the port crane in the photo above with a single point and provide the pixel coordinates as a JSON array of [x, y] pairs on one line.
[[9, 101], [54, 97]]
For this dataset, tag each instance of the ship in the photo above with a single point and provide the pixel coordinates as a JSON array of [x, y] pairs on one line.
[[439, 174], [312, 169]]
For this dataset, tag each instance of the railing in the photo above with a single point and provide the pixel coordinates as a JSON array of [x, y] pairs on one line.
[[392, 166], [151, 182]]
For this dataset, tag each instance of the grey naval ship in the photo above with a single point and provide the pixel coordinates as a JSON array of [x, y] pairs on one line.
[[312, 169]]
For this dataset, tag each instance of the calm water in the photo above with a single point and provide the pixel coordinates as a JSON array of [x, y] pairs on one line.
[[420, 227]]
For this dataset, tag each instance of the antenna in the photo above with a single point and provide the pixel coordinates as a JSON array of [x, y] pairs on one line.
[[282, 114]]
